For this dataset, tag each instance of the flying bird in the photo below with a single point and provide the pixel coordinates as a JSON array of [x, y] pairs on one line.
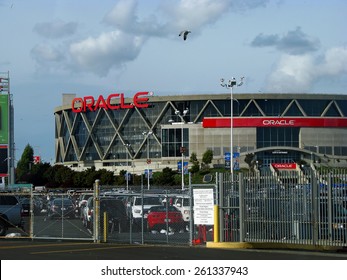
[[185, 34]]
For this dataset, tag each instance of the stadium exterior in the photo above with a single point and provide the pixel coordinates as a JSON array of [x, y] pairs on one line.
[[145, 131]]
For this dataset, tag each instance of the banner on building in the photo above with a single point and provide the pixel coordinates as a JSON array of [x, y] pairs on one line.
[[3, 119], [235, 161], [3, 160], [185, 167]]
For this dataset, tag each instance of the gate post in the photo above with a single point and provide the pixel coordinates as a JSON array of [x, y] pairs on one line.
[[216, 210], [241, 208], [96, 215], [314, 197], [216, 223], [191, 223], [221, 205]]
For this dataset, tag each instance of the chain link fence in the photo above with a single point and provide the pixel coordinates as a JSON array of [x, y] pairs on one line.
[[288, 207]]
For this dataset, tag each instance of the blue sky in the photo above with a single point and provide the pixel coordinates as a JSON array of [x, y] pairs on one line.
[[98, 47]]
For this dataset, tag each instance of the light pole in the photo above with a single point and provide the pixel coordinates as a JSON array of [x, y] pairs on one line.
[[127, 146], [182, 149], [231, 83], [146, 134]]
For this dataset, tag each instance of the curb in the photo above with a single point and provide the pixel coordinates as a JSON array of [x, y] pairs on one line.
[[256, 245]]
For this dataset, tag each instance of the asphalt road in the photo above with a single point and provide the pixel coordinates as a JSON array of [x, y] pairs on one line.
[[12, 249]]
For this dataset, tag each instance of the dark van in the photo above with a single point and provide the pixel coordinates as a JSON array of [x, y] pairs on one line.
[[115, 212]]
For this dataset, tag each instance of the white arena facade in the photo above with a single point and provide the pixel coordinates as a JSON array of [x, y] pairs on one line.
[[148, 131]]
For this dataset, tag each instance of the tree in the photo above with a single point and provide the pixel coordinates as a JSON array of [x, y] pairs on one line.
[[38, 174], [194, 160], [207, 157], [24, 164], [164, 178], [249, 160]]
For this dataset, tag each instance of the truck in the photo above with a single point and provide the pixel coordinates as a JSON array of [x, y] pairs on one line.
[[10, 213]]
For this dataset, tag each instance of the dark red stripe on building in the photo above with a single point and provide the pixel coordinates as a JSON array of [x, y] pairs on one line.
[[274, 122]]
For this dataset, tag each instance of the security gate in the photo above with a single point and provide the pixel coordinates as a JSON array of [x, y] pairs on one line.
[[288, 208]]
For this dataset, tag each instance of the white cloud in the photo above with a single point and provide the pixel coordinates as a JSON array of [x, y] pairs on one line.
[[195, 14], [110, 50], [294, 42], [55, 29], [99, 55], [295, 73], [46, 54], [122, 14]]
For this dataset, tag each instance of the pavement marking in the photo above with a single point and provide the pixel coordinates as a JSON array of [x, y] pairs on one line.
[[43, 245], [89, 249]]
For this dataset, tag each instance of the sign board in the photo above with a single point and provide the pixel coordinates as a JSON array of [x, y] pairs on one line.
[[4, 119], [150, 171], [185, 167], [114, 101], [37, 159], [235, 161], [284, 165], [203, 206], [3, 160], [211, 122]]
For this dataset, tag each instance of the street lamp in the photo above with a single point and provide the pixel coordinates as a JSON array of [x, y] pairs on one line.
[[146, 135], [182, 149], [231, 83], [127, 146]]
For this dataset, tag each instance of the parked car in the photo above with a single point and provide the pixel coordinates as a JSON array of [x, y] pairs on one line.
[[25, 202], [82, 202], [10, 213], [162, 217], [134, 208], [182, 203], [37, 205], [115, 210], [88, 212], [61, 207]]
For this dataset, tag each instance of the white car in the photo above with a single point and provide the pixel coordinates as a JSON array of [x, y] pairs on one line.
[[87, 212], [135, 206], [82, 202], [182, 203]]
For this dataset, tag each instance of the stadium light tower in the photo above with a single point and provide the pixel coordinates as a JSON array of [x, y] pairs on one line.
[[146, 134], [127, 147], [231, 83], [182, 149]]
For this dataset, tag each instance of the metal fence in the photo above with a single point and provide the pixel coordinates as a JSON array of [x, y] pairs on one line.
[[106, 215], [287, 207]]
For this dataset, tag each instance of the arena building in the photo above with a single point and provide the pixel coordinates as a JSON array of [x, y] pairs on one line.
[[153, 132]]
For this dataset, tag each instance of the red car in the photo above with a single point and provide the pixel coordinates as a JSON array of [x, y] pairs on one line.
[[161, 217]]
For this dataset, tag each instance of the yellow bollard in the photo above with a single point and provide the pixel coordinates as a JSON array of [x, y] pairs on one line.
[[105, 227], [216, 223]]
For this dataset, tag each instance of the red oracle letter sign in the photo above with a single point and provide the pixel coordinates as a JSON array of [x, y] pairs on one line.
[[89, 104], [100, 103], [80, 108], [123, 105], [141, 102], [109, 100]]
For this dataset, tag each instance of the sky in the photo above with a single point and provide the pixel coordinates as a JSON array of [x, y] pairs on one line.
[[125, 46]]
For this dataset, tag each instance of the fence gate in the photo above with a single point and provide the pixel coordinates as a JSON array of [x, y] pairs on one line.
[[307, 208]]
